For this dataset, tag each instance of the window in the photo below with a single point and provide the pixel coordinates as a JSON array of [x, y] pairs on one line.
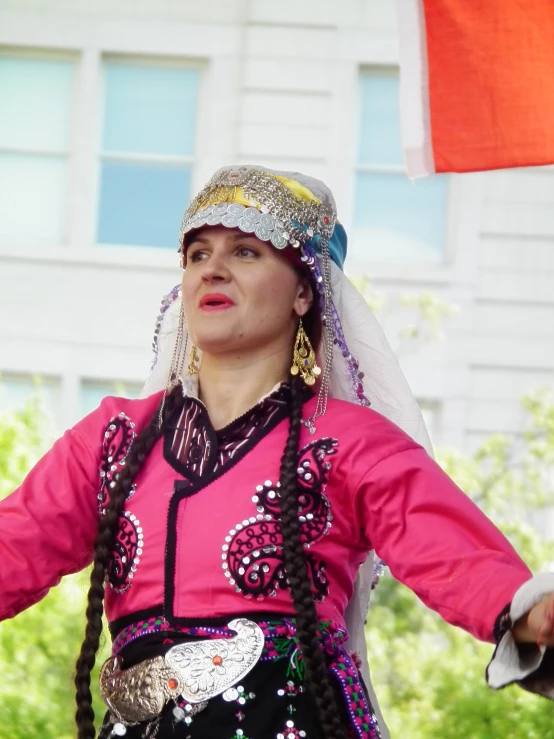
[[92, 392], [35, 97], [147, 152], [399, 220], [16, 390]]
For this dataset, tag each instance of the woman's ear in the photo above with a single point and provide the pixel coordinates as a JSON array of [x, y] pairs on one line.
[[304, 297]]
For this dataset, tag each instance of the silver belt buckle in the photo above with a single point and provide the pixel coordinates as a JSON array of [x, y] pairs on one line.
[[195, 671]]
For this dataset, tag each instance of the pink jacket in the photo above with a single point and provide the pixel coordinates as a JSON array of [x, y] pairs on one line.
[[205, 544]]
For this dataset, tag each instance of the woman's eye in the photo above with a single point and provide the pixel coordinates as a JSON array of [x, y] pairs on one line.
[[197, 255], [246, 251]]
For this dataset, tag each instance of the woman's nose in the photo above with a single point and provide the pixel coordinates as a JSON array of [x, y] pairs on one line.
[[216, 269]]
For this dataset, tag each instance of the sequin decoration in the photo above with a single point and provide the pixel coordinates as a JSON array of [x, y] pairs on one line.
[[356, 377], [379, 569], [126, 553], [291, 690], [292, 219], [167, 302], [311, 261], [291, 731], [289, 693], [116, 443], [234, 215], [252, 555], [238, 694], [184, 712]]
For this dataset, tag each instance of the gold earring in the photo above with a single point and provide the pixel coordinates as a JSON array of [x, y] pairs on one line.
[[194, 364], [303, 361]]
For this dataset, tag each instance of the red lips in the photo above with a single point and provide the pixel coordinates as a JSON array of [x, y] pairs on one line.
[[216, 301]]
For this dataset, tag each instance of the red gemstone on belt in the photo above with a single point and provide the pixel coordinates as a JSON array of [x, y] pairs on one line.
[[217, 660], [172, 683]]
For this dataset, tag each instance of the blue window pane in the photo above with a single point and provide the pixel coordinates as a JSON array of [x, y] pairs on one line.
[[150, 110], [392, 205], [142, 204], [32, 184], [35, 95], [380, 141]]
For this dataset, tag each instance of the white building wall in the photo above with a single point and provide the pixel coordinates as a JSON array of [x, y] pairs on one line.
[[279, 87]]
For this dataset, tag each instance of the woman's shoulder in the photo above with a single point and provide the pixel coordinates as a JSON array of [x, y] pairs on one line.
[[115, 413], [364, 425]]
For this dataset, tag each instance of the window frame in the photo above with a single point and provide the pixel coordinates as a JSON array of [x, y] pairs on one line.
[[37, 382], [67, 155], [160, 61], [444, 255], [118, 387]]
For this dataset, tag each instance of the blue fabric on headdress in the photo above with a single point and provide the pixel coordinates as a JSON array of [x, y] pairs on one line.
[[338, 244]]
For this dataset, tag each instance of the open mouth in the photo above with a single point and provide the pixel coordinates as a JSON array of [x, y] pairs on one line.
[[216, 302]]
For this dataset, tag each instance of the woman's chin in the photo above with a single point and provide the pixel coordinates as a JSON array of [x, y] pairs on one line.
[[217, 343]]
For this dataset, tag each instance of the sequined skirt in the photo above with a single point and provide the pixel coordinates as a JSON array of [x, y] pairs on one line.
[[270, 702]]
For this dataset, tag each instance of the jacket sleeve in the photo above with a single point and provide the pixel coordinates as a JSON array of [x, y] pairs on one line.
[[48, 525], [437, 541]]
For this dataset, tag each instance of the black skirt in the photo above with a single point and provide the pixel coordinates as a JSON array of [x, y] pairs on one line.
[[270, 702], [267, 704]]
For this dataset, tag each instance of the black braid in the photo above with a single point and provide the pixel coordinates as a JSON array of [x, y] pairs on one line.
[[300, 584], [103, 546]]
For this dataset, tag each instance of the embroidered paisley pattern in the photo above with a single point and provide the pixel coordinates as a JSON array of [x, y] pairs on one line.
[[116, 443], [253, 551], [126, 553]]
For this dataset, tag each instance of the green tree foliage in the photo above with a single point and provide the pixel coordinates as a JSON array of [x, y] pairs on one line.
[[428, 675], [38, 648]]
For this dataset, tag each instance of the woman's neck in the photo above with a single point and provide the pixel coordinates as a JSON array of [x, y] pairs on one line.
[[229, 387]]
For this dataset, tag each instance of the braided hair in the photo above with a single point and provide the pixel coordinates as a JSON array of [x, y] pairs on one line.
[[103, 546], [299, 580]]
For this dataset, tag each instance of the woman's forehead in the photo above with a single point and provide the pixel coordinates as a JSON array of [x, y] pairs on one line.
[[212, 233]]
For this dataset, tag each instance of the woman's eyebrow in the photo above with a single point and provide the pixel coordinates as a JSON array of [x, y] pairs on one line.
[[200, 239]]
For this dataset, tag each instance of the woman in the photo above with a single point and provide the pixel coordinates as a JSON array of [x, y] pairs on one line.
[[234, 509]]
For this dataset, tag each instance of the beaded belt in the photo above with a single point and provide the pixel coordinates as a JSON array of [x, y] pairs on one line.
[[275, 640]]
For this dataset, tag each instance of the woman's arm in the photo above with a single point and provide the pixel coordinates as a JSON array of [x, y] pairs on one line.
[[48, 525], [438, 542]]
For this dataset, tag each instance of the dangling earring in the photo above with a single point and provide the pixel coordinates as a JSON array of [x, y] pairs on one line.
[[303, 361], [194, 364]]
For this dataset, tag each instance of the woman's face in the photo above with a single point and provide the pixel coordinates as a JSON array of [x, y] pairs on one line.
[[240, 294]]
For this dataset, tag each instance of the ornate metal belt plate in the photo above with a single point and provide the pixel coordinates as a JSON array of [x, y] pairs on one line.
[[196, 671]]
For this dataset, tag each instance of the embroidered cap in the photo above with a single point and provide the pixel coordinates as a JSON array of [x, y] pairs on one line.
[[270, 206]]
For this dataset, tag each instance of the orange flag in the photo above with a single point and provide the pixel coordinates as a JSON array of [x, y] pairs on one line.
[[476, 84]]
